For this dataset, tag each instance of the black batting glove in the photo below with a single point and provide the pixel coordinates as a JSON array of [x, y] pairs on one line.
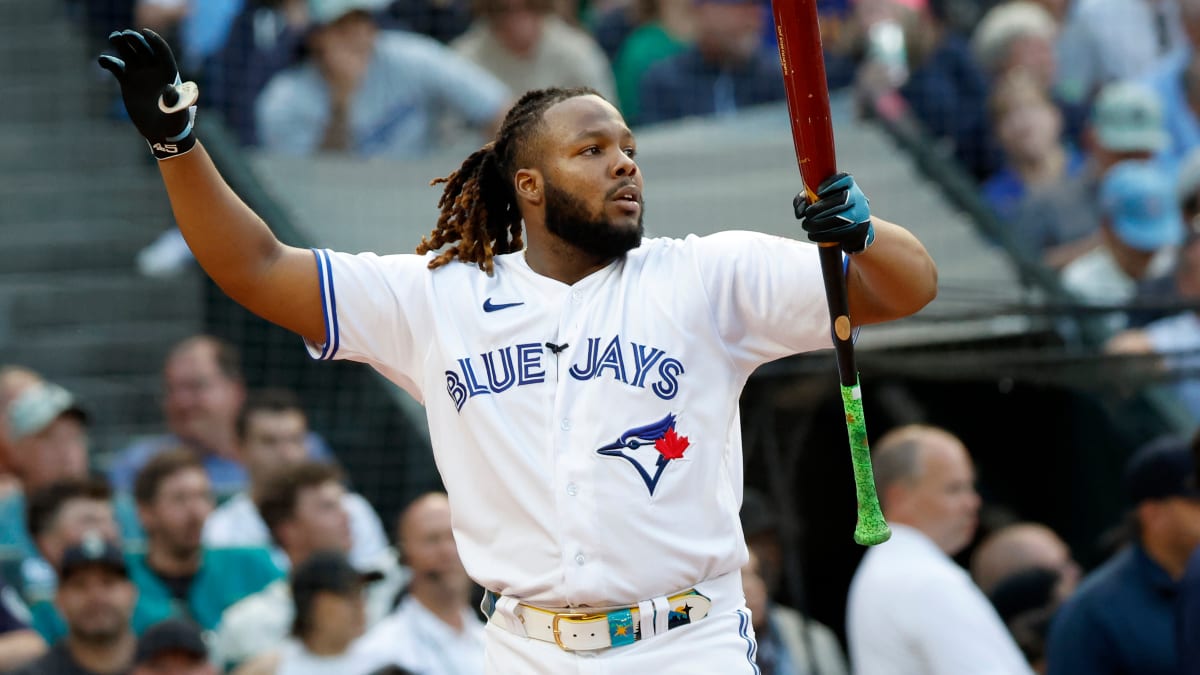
[[841, 214], [160, 105]]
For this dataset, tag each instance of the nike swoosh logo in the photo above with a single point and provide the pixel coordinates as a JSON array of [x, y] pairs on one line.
[[489, 307]]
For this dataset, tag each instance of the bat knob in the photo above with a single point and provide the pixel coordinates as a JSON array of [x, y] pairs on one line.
[[871, 530], [175, 98]]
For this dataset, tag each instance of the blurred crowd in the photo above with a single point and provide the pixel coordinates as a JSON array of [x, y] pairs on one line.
[[232, 542]]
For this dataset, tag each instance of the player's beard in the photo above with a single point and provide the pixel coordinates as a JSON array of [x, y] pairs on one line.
[[568, 218]]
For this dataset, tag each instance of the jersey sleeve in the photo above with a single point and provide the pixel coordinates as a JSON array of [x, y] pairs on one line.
[[374, 309], [766, 293]]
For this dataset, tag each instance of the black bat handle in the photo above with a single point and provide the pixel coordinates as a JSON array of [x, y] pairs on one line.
[[834, 272]]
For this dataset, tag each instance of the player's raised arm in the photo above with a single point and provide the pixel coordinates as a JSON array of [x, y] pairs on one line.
[[233, 245], [891, 275]]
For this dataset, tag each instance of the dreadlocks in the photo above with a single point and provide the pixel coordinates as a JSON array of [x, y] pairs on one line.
[[478, 206]]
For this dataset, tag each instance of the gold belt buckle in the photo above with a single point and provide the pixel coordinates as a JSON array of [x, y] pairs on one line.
[[574, 616]]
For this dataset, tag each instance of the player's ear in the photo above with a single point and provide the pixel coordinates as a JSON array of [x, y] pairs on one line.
[[529, 185]]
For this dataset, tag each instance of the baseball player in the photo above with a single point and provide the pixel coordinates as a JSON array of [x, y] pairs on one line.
[[581, 382]]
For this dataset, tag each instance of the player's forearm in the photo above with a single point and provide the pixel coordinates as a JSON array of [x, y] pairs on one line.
[[893, 278], [233, 245], [236, 248]]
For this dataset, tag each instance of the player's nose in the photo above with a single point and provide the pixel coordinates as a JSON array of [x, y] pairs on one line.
[[625, 166]]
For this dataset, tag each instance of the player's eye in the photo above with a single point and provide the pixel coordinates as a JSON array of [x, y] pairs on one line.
[[591, 150], [631, 152]]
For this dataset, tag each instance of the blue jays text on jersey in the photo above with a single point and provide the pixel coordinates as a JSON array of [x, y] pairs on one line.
[[497, 370]]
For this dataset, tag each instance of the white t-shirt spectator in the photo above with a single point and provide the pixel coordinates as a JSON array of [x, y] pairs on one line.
[[294, 659], [237, 523], [417, 639], [260, 622], [913, 611]]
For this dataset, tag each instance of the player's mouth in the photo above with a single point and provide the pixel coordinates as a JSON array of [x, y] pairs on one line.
[[628, 199]]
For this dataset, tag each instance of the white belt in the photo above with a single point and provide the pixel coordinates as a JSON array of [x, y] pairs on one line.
[[576, 629]]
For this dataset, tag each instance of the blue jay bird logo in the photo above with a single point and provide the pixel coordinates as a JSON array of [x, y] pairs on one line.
[[661, 435]]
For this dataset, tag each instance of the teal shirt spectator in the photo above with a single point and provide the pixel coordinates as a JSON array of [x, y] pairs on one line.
[[226, 575]]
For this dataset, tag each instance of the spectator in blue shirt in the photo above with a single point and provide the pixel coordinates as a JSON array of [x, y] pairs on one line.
[[1123, 617], [1176, 80], [726, 70], [366, 92], [203, 393]]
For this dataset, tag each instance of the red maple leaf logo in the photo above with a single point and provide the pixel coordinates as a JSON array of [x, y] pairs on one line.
[[671, 445]]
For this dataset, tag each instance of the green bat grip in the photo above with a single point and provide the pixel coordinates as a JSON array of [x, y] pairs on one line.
[[871, 528]]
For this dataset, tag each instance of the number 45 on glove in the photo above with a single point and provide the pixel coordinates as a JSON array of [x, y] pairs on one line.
[[160, 104]]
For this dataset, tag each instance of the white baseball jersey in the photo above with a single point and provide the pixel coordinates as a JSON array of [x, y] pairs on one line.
[[587, 435]]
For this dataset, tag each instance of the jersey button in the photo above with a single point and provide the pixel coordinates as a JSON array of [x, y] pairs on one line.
[[579, 559], [572, 489], [576, 295], [566, 425]]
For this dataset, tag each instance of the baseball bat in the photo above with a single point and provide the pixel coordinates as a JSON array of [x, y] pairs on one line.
[[800, 56]]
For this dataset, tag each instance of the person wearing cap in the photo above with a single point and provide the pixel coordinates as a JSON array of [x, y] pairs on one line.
[[304, 508], [329, 596], [172, 647], [48, 434], [1061, 222], [48, 443], [61, 516], [1176, 80], [1122, 618], [96, 599], [1141, 228], [13, 380], [727, 68], [434, 630], [371, 93]]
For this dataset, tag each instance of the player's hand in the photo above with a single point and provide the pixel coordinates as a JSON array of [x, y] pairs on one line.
[[841, 214], [160, 105]]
